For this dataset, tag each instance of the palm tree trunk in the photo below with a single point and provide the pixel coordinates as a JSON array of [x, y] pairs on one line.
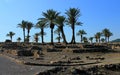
[[51, 36], [106, 39], [28, 35], [59, 38], [99, 40], [81, 38], [73, 36], [63, 35], [11, 38], [42, 31], [24, 34]]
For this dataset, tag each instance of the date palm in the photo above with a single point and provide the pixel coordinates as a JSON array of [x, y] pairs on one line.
[[96, 38], [42, 34], [29, 25], [98, 35], [19, 39], [41, 24], [72, 19], [103, 40], [57, 31], [85, 39], [81, 33], [91, 39], [23, 26], [60, 20], [36, 37], [109, 34], [50, 17], [10, 34], [106, 32]]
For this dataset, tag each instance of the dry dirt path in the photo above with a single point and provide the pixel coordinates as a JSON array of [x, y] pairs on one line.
[[9, 67]]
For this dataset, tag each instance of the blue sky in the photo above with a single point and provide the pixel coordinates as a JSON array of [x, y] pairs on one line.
[[95, 16]]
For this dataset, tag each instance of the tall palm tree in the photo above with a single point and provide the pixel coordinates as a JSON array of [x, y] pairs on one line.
[[42, 34], [60, 20], [106, 32], [36, 37], [50, 17], [57, 31], [81, 33], [10, 34], [19, 39], [29, 25], [91, 39], [23, 26], [98, 35], [41, 24], [72, 19]]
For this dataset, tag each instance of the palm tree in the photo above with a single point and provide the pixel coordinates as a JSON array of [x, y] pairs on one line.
[[41, 24], [42, 34], [10, 34], [36, 37], [29, 25], [81, 33], [50, 17], [23, 26], [96, 38], [91, 39], [72, 16], [58, 38], [106, 32], [108, 35], [57, 31], [103, 40], [85, 40], [98, 35], [60, 23], [19, 39]]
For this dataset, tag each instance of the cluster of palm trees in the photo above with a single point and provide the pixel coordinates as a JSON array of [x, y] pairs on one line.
[[25, 25], [102, 36], [50, 19]]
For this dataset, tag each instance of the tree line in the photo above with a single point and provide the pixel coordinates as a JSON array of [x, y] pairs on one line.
[[50, 19]]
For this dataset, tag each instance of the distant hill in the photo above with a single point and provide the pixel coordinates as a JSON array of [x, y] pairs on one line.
[[116, 40]]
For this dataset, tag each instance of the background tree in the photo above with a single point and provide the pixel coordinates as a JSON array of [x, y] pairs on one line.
[[19, 39], [85, 39], [91, 39], [10, 34], [42, 34], [106, 32], [109, 34], [60, 23], [98, 35], [72, 16], [96, 38], [29, 25], [57, 31], [23, 26], [103, 40], [36, 37], [50, 17], [41, 24], [81, 33], [58, 38]]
